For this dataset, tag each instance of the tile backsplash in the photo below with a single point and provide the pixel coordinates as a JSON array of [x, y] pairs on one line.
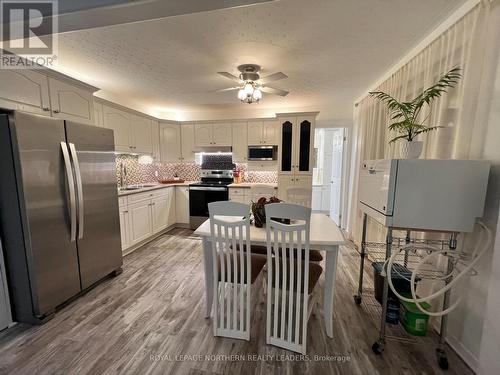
[[139, 173]]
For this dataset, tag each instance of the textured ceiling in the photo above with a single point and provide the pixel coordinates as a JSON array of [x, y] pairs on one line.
[[330, 49]]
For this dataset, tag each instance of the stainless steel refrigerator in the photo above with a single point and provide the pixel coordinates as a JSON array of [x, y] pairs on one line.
[[58, 210]]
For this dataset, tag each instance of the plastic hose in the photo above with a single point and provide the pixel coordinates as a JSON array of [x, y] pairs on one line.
[[476, 255]]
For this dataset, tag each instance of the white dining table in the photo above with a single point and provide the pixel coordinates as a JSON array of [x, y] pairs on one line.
[[325, 236]]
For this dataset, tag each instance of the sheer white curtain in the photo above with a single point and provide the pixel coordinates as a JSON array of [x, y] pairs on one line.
[[464, 45]]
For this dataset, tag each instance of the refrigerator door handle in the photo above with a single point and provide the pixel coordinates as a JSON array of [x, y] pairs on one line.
[[71, 188], [79, 193]]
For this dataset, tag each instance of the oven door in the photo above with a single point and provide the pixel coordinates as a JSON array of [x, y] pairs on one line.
[[199, 198]]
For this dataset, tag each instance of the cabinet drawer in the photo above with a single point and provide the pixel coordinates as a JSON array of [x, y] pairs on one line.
[[161, 192], [237, 191], [139, 197]]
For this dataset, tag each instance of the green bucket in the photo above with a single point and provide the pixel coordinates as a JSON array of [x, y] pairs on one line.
[[414, 321]]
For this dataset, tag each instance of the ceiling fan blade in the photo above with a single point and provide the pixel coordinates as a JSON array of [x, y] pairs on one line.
[[272, 90], [227, 89], [232, 77], [273, 77]]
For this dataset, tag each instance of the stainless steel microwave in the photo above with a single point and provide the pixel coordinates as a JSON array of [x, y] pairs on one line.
[[262, 153]]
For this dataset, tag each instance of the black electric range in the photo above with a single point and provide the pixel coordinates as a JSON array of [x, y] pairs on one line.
[[213, 187]]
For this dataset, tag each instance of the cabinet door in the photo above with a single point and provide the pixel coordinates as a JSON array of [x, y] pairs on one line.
[[287, 146], [170, 142], [142, 140], [240, 144], [182, 204], [304, 145], [171, 207], [98, 116], [222, 134], [159, 211], [187, 142], [24, 90], [255, 133], [285, 182], [155, 135], [302, 190], [119, 122], [141, 226], [124, 228], [70, 102], [203, 135], [270, 133]]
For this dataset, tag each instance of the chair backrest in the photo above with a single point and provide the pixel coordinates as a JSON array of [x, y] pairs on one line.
[[288, 269], [262, 190], [300, 196], [230, 234]]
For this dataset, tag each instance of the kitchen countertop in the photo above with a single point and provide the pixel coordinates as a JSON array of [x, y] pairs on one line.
[[248, 185], [122, 193]]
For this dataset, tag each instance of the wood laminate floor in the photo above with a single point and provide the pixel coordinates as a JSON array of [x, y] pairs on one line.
[[144, 320]]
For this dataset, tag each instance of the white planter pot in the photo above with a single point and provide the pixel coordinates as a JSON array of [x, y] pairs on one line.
[[411, 150]]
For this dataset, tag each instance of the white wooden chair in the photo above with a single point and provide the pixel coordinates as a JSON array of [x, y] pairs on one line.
[[300, 196], [234, 271], [291, 278]]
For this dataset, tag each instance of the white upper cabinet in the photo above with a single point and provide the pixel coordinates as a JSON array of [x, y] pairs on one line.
[[170, 142], [222, 134], [70, 102], [255, 133], [203, 134], [141, 134], [213, 134], [187, 142], [270, 132], [155, 132], [240, 144], [24, 90], [263, 133], [119, 121], [296, 145]]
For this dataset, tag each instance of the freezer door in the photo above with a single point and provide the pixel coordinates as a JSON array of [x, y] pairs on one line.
[[46, 211], [98, 234]]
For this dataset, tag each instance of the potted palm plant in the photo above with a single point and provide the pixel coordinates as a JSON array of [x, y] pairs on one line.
[[406, 114]]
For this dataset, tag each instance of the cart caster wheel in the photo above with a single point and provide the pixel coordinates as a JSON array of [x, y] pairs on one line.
[[443, 363], [442, 360], [377, 348], [357, 299]]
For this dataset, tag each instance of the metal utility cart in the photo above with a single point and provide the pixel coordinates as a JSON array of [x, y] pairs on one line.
[[415, 196]]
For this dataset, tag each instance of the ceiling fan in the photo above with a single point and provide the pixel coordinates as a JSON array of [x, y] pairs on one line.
[[250, 85]]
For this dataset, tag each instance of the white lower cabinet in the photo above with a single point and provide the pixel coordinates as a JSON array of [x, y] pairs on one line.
[[141, 223], [182, 204], [159, 212], [243, 195], [295, 189], [124, 225], [143, 215]]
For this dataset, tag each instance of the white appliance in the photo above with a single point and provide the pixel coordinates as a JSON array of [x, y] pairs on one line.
[[442, 195], [5, 315]]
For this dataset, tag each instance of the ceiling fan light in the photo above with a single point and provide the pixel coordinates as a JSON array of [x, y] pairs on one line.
[[242, 94], [248, 88], [257, 94]]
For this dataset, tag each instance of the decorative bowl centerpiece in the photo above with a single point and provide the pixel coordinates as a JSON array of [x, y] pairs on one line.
[[259, 211]]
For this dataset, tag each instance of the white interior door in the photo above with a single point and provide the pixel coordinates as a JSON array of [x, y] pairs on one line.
[[336, 176]]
